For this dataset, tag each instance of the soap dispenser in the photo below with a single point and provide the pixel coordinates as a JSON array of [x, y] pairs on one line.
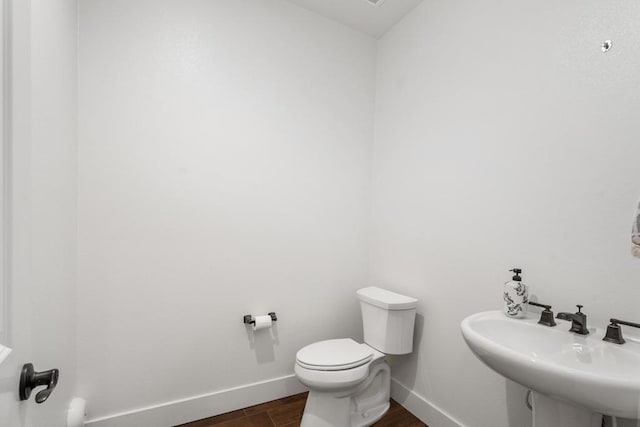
[[516, 296]]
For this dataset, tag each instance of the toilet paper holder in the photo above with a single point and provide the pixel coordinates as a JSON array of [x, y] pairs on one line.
[[251, 321]]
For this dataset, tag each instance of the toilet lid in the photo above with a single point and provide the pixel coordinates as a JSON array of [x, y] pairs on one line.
[[334, 355]]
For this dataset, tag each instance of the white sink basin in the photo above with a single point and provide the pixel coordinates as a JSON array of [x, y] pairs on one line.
[[580, 370]]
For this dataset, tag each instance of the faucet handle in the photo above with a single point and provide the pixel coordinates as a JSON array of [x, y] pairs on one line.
[[579, 307], [614, 331], [546, 317]]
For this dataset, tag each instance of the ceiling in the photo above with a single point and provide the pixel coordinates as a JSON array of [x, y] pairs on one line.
[[361, 14]]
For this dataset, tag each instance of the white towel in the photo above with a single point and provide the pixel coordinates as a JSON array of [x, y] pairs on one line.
[[635, 234]]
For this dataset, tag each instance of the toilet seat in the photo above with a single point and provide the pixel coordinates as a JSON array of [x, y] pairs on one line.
[[335, 366], [334, 355]]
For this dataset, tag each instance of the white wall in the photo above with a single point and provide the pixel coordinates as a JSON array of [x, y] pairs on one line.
[[53, 193], [224, 170], [504, 137]]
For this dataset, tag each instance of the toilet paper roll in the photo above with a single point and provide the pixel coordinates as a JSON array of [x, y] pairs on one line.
[[262, 322]]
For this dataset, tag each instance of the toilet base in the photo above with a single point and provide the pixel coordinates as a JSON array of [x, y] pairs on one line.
[[341, 413], [369, 417], [360, 407]]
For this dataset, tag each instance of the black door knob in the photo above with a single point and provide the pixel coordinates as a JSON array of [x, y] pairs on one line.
[[30, 379]]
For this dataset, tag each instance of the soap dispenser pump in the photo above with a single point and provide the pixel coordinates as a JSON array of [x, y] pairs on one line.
[[516, 296]]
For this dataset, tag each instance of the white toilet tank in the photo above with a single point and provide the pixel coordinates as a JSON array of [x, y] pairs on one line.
[[388, 319]]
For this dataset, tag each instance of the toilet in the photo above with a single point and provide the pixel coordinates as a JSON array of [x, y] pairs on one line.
[[349, 382]]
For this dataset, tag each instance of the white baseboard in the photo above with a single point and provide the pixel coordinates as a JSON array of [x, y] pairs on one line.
[[203, 406], [428, 413], [219, 402]]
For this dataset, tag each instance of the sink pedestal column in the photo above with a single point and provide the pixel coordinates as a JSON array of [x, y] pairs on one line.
[[548, 412]]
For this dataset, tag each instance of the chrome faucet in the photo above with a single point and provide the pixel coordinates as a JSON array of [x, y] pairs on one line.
[[578, 321]]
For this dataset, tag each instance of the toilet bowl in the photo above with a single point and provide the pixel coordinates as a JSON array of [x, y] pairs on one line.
[[349, 382]]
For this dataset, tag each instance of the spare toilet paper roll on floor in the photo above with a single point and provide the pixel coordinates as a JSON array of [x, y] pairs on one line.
[[262, 322], [77, 412]]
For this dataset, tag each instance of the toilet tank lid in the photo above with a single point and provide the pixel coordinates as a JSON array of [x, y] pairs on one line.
[[386, 299]]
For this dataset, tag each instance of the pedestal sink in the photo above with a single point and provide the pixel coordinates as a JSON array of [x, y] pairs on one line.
[[574, 378]]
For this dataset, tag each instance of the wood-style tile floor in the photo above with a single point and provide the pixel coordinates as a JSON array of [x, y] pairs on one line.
[[287, 412]]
